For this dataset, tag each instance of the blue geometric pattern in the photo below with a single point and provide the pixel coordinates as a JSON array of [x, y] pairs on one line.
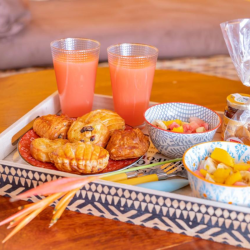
[[139, 207], [207, 190], [173, 145]]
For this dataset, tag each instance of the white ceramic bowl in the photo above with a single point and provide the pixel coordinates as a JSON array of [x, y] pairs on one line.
[[237, 195], [172, 144]]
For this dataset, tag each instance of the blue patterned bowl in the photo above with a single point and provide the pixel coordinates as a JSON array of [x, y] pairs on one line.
[[172, 144], [237, 195]]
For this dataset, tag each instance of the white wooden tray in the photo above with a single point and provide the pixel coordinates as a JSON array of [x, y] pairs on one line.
[[177, 212]]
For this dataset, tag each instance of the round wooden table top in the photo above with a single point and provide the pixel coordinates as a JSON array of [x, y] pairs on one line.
[[20, 93]]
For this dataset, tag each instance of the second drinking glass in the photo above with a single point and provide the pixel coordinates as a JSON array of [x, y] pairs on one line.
[[75, 63], [132, 68]]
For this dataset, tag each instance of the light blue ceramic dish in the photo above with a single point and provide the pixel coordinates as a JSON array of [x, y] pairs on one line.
[[202, 188], [166, 185], [172, 144]]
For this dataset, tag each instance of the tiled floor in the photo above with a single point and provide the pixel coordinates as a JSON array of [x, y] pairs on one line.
[[221, 66]]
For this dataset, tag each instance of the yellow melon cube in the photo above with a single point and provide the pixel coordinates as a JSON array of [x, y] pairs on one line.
[[241, 167], [167, 123], [222, 156], [221, 174], [179, 129], [203, 172], [233, 178]]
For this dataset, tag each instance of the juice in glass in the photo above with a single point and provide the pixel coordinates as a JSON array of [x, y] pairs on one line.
[[131, 88], [75, 63], [76, 85], [132, 67]]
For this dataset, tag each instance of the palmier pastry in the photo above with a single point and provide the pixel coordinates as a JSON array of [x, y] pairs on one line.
[[127, 144], [95, 132], [109, 118], [52, 126], [80, 158], [41, 147]]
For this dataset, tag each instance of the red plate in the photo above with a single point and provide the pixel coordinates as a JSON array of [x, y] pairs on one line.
[[24, 151]]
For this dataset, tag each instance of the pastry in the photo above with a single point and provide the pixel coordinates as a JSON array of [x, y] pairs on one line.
[[109, 118], [41, 147], [243, 134], [52, 126], [127, 144], [94, 132], [80, 158]]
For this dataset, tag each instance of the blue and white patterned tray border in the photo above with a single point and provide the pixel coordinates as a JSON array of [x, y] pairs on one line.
[[166, 211]]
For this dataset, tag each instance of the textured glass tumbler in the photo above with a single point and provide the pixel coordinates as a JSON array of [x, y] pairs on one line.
[[75, 62], [132, 68]]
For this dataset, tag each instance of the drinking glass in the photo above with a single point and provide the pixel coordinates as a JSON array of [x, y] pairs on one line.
[[132, 68], [75, 62]]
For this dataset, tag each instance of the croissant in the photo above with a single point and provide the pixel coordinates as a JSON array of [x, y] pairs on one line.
[[41, 147], [80, 158], [109, 118], [95, 132], [52, 126], [127, 144]]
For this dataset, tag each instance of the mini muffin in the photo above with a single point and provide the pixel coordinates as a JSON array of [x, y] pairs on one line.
[[109, 118], [95, 132], [41, 147], [127, 144], [52, 126], [80, 158]]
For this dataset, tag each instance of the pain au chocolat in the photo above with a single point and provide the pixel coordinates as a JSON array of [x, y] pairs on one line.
[[80, 158], [52, 126], [94, 132], [41, 147], [109, 118], [127, 144]]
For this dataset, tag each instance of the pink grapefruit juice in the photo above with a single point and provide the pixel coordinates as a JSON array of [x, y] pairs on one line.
[[76, 84], [131, 91]]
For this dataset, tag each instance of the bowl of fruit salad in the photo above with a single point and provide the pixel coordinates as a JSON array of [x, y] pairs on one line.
[[219, 171], [174, 127]]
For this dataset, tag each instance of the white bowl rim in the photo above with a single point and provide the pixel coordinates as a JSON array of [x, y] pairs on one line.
[[203, 179], [180, 133]]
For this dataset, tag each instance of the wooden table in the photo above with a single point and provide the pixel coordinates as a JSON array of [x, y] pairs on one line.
[[20, 93]]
